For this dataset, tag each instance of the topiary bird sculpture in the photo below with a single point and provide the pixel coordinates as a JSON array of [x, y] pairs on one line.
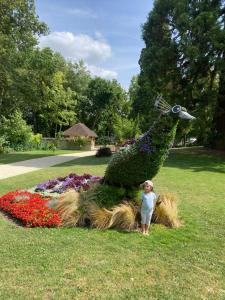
[[142, 160]]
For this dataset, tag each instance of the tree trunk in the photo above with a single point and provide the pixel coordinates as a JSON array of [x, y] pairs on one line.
[[96, 120], [219, 115]]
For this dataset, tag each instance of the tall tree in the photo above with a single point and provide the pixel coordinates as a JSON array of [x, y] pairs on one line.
[[77, 77], [183, 59], [32, 84], [218, 133], [19, 29], [104, 99], [58, 110]]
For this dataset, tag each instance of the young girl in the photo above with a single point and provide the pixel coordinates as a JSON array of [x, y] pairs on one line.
[[148, 198]]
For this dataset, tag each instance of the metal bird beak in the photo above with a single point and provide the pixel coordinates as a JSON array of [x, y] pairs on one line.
[[186, 115]]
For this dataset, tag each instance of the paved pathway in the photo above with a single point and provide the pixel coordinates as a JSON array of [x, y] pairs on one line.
[[26, 166]]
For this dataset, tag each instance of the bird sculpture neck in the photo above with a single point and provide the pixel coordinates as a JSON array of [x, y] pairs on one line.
[[159, 136]]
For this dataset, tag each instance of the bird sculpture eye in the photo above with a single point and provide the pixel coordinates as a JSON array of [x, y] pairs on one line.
[[175, 109]]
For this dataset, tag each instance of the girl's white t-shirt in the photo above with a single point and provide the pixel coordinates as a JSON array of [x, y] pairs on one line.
[[148, 200]]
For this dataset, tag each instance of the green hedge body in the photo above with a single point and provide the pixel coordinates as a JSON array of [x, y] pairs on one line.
[[132, 165], [107, 196]]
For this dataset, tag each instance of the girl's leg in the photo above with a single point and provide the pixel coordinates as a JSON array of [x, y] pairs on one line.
[[143, 221], [148, 221], [147, 228]]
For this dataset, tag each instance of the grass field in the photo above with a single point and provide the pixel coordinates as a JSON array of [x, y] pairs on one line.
[[19, 156], [79, 263]]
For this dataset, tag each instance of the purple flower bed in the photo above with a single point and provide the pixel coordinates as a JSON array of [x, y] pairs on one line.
[[72, 181]]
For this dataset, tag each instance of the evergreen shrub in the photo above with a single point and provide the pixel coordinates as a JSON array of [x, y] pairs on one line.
[[103, 151]]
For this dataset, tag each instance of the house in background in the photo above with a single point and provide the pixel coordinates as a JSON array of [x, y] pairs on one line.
[[79, 136]]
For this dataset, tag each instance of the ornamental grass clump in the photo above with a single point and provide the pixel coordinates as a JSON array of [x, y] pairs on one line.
[[78, 209], [99, 217], [68, 206], [166, 211], [124, 217], [121, 217]]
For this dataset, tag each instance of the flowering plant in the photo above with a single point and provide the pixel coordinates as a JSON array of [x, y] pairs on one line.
[[72, 181], [30, 208], [129, 142]]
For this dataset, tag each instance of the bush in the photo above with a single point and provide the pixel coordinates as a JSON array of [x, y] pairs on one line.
[[49, 145], [52, 145], [16, 132], [3, 145], [76, 143], [105, 140], [103, 151], [81, 141], [125, 129], [36, 141]]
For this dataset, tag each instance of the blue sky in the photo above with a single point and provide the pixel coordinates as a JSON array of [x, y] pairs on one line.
[[106, 34]]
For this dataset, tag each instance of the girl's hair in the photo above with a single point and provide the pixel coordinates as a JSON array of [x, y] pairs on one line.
[[142, 185]]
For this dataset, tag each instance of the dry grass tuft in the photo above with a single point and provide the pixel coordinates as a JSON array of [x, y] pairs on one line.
[[166, 211], [80, 209], [124, 217], [121, 217], [69, 205], [99, 217]]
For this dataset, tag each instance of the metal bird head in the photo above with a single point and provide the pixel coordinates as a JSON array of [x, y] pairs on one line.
[[175, 111]]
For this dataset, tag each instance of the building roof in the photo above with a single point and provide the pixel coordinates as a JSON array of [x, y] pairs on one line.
[[79, 130]]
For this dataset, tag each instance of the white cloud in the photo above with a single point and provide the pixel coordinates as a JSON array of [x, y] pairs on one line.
[[97, 71], [81, 13], [77, 47]]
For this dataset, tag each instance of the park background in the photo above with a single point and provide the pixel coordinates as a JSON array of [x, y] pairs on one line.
[[43, 92]]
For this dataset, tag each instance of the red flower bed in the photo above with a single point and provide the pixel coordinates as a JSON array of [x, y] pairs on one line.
[[30, 208]]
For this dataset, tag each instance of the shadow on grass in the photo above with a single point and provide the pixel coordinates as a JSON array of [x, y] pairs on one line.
[[45, 161], [88, 160], [16, 157], [197, 160], [21, 156], [11, 219]]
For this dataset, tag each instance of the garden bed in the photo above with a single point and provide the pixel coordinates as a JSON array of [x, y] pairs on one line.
[[30, 208], [33, 208], [78, 200]]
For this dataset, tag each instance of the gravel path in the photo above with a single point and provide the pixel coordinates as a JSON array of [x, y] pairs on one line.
[[26, 166]]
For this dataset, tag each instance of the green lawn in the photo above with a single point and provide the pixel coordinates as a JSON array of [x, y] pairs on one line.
[[77, 263], [19, 156]]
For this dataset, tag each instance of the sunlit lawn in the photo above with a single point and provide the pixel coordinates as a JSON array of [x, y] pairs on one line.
[[77, 263]]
